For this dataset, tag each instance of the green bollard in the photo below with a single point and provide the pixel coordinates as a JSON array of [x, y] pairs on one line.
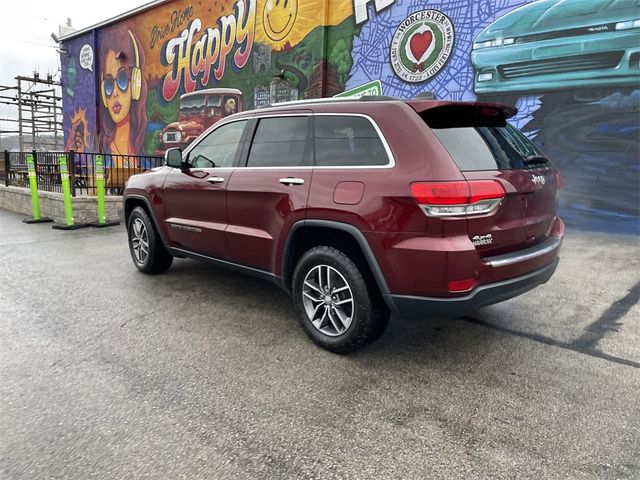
[[35, 200], [66, 193], [102, 218]]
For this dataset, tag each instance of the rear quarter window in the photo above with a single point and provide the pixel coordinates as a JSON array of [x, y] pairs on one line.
[[342, 140]]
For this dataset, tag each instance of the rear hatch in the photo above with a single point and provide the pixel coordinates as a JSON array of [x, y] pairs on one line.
[[485, 147]]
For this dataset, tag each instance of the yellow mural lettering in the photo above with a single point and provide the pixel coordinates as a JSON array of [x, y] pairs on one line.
[[191, 61]]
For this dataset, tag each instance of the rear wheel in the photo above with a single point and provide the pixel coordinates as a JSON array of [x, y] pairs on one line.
[[337, 307], [147, 251]]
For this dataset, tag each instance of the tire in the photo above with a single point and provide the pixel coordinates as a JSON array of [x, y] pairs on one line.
[[140, 229], [338, 325]]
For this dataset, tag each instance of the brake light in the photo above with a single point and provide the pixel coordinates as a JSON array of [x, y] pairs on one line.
[[489, 112], [559, 180], [448, 199]]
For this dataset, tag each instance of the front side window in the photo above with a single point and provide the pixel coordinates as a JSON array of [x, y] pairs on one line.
[[280, 142], [219, 148], [350, 141]]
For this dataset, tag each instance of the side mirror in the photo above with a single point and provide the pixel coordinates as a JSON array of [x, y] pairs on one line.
[[173, 158]]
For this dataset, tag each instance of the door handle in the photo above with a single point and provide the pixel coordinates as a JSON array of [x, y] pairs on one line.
[[215, 180], [292, 181]]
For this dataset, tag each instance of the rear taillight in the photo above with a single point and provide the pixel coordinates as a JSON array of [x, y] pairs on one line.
[[461, 198], [559, 180]]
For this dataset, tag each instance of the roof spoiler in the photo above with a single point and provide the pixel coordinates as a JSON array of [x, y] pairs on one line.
[[488, 109]]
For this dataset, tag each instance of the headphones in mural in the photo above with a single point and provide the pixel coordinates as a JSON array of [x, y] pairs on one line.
[[122, 79]]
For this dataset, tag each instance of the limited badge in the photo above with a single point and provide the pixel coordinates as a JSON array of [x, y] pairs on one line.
[[422, 45]]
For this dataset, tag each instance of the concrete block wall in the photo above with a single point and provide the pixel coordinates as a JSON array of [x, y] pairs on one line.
[[85, 208]]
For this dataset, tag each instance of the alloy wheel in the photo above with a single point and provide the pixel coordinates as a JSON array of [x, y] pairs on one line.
[[328, 300], [140, 241]]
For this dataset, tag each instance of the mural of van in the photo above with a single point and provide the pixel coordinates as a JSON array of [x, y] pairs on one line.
[[198, 111], [554, 45]]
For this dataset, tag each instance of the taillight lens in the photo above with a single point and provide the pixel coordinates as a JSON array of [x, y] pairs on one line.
[[559, 180], [450, 199]]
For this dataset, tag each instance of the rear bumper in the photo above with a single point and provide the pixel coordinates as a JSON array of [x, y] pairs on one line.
[[405, 306]]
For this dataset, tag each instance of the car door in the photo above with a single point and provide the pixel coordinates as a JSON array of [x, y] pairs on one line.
[[269, 193], [196, 197]]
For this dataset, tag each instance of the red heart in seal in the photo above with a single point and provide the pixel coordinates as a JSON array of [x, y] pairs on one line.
[[419, 44]]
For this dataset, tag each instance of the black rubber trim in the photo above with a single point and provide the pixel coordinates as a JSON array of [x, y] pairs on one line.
[[179, 252], [345, 227], [149, 211], [405, 306]]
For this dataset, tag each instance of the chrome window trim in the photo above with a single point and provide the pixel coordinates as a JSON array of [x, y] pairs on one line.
[[305, 113]]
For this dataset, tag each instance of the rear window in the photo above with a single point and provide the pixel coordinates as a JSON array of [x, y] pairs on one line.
[[347, 141], [481, 139]]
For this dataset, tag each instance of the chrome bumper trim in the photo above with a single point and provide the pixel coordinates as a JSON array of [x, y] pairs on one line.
[[544, 248]]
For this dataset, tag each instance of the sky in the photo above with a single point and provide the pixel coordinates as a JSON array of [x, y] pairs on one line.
[[25, 38]]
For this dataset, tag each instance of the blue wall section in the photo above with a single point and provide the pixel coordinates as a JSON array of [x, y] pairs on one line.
[[584, 111]]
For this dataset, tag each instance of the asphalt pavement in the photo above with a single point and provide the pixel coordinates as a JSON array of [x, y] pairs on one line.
[[201, 373]]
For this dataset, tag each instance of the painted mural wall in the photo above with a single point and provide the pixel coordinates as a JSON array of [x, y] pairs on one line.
[[572, 67]]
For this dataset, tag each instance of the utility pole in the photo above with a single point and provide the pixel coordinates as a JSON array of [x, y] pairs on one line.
[[39, 104], [20, 130]]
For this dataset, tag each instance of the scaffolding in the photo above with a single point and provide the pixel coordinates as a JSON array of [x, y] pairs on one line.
[[39, 112]]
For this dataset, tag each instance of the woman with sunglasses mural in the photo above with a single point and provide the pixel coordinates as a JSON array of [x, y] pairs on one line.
[[123, 115]]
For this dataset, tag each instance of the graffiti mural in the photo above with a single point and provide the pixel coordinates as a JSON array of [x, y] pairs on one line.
[[572, 68], [78, 94]]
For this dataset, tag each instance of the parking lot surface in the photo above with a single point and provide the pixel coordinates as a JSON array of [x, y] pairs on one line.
[[205, 373]]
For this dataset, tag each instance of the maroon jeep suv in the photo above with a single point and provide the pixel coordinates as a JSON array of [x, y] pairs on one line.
[[359, 208]]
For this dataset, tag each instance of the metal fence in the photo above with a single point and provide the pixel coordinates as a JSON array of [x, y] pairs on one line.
[[82, 168]]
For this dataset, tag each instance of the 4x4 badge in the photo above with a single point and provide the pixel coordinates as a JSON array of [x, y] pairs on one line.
[[538, 179], [482, 240]]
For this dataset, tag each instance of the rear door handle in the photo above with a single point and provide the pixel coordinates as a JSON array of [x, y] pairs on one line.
[[292, 181], [215, 180]]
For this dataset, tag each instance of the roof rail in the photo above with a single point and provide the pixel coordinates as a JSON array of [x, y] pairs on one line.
[[365, 98], [378, 98], [426, 95]]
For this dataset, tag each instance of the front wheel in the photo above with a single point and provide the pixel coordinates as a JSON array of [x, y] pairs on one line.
[[337, 307], [147, 251]]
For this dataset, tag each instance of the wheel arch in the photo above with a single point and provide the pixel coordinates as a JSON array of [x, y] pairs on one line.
[[323, 232], [132, 201]]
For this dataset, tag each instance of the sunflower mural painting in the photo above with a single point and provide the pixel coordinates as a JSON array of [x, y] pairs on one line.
[[166, 72]]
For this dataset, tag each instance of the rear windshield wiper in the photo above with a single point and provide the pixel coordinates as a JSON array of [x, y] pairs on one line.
[[535, 159]]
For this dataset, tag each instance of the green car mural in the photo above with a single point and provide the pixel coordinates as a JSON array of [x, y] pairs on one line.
[[555, 45]]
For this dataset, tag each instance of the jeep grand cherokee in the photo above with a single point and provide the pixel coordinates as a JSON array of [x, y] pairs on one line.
[[359, 209]]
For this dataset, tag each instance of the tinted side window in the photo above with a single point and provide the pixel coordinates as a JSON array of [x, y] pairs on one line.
[[347, 141], [280, 142], [219, 148]]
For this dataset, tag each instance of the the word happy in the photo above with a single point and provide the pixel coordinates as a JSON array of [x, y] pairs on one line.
[[192, 60]]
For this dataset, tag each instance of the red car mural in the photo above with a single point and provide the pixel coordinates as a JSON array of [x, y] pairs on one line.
[[198, 111]]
